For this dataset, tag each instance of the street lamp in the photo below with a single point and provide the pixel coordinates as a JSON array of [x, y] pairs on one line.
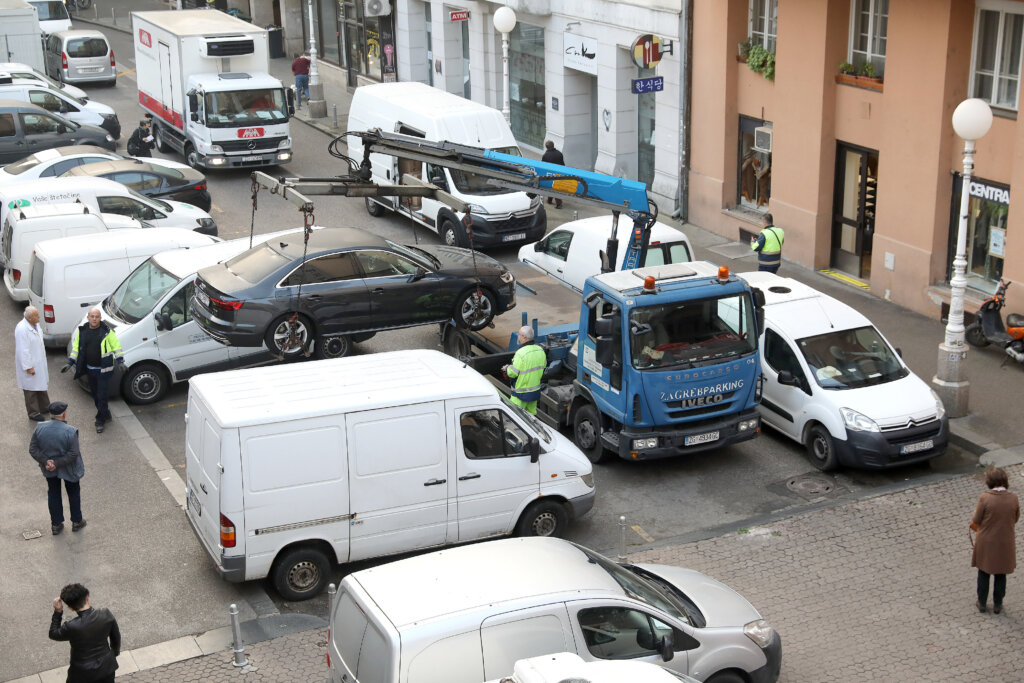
[[505, 22], [317, 104], [971, 120]]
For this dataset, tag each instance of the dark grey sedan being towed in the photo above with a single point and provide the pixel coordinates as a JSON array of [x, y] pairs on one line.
[[353, 284]]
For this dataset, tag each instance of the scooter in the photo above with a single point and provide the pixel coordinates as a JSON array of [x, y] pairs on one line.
[[988, 328]]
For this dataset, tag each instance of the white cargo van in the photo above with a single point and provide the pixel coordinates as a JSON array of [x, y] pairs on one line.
[[53, 15], [572, 252], [25, 227], [106, 196], [465, 615], [82, 112], [68, 276], [566, 666], [292, 468], [20, 32], [500, 216], [833, 383]]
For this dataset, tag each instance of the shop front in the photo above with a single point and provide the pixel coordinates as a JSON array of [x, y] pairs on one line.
[[357, 36], [987, 214]]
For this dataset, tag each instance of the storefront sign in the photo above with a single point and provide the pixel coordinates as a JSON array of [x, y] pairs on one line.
[[579, 53], [655, 84], [648, 50], [459, 15], [990, 193]]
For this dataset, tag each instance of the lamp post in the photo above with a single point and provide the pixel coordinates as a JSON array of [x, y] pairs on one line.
[[971, 120], [505, 22], [317, 105]]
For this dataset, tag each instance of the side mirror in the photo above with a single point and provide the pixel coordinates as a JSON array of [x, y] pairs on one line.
[[61, 129], [63, 108], [418, 275], [606, 351], [538, 246], [666, 648], [899, 352], [607, 326], [291, 101], [164, 322], [786, 378], [193, 106], [439, 181], [534, 449]]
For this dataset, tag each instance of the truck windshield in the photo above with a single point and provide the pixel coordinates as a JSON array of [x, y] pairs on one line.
[[136, 296], [227, 109], [692, 333], [847, 359]]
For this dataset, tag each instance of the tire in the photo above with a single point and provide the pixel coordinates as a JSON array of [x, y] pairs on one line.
[[974, 335], [333, 347], [456, 344], [161, 142], [278, 331], [543, 518], [727, 677], [821, 450], [474, 314], [144, 383], [586, 434], [453, 234], [191, 157], [301, 573], [373, 208]]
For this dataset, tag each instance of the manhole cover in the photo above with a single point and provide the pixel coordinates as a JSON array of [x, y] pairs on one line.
[[29, 535], [811, 485]]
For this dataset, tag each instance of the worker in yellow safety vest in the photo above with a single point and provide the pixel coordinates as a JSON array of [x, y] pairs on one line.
[[526, 370], [768, 245]]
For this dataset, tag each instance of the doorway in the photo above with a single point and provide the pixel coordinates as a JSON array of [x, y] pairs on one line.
[[853, 213]]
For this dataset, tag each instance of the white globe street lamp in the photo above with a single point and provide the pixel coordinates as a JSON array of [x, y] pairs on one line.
[[971, 121], [505, 22]]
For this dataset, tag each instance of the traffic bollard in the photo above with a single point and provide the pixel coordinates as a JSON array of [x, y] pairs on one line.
[[236, 634], [335, 115], [113, 16], [622, 538], [332, 593], [575, 215]]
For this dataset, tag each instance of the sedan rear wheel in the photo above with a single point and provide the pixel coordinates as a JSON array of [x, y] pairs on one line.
[[475, 309], [333, 347], [289, 339]]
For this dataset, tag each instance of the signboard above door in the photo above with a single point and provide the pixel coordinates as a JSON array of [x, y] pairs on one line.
[[579, 53], [459, 15]]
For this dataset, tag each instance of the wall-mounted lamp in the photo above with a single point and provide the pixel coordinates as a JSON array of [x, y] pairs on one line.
[[572, 24]]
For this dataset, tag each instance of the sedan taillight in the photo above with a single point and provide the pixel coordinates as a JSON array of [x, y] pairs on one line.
[[200, 186], [226, 305], [16, 275]]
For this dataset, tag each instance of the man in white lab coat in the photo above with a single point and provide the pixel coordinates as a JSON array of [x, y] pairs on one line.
[[30, 364]]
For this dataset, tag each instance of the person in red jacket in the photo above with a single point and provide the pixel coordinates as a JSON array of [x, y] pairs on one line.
[[300, 68]]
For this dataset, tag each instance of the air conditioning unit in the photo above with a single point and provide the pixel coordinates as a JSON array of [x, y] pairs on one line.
[[763, 139], [376, 8]]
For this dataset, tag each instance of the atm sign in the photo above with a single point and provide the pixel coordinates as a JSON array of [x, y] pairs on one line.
[[459, 15]]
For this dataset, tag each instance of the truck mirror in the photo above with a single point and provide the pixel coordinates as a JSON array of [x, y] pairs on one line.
[[193, 106], [607, 326], [591, 300], [608, 256], [758, 298], [438, 179], [605, 352], [666, 648], [291, 101], [759, 312], [534, 449]]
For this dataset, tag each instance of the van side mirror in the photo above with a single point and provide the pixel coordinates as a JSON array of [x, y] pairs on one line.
[[899, 352], [534, 449], [666, 648], [605, 352], [538, 246], [291, 101], [193, 106], [786, 378], [163, 321], [439, 180]]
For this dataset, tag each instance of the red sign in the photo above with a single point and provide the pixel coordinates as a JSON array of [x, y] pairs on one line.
[[246, 133], [459, 15], [145, 38]]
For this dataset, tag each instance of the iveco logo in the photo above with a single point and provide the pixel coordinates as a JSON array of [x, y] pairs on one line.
[[246, 133]]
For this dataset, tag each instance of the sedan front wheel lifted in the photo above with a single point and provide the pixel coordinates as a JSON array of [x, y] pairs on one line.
[[475, 309]]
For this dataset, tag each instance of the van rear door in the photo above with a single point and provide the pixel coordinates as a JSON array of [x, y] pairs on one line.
[[203, 475], [506, 638]]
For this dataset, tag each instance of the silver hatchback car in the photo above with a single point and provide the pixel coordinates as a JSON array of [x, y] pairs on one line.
[[78, 56]]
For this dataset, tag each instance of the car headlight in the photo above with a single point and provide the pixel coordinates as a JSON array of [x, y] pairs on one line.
[[940, 408], [284, 155], [508, 278], [588, 479], [110, 138], [760, 632], [216, 149], [286, 144], [858, 422], [476, 208]]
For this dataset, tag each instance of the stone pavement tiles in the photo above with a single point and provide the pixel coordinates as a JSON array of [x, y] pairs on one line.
[[877, 590]]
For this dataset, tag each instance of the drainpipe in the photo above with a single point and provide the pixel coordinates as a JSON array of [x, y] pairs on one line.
[[682, 211]]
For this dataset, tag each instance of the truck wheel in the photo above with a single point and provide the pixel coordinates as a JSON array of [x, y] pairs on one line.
[[543, 518], [821, 449], [373, 208], [161, 140], [474, 312], [456, 344], [974, 335], [586, 433], [144, 383], [453, 233], [191, 157], [278, 332], [333, 347], [301, 574]]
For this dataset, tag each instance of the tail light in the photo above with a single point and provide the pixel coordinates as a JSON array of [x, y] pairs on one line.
[[16, 274], [63, 60], [227, 532], [226, 305], [200, 186], [112, 63], [48, 313]]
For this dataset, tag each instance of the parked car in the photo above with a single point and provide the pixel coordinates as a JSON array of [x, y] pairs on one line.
[[53, 15], [26, 129], [25, 73], [80, 56], [151, 179], [50, 163], [468, 614], [354, 284], [87, 112]]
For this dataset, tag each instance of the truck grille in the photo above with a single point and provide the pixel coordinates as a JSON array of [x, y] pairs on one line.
[[251, 145], [678, 410]]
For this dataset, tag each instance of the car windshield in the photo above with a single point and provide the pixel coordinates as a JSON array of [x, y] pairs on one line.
[[257, 263], [19, 167], [637, 587], [53, 9], [537, 425], [692, 333], [224, 109], [418, 256], [847, 359], [139, 293]]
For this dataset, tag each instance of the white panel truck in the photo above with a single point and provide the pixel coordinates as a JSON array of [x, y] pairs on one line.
[[202, 74]]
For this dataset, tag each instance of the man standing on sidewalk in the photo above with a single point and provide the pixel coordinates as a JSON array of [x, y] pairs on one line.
[[96, 351], [768, 245], [30, 364], [553, 156], [300, 68], [94, 636], [55, 447]]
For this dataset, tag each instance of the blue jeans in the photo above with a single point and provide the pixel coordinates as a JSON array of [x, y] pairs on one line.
[[56, 505], [302, 86], [99, 387]]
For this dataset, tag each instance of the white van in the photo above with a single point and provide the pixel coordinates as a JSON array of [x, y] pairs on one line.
[[106, 196], [27, 73], [466, 615], [833, 383], [82, 112], [24, 228], [572, 252], [567, 666], [53, 15], [500, 216], [292, 468], [79, 56], [68, 276]]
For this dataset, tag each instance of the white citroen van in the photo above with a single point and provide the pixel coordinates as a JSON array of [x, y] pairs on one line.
[[68, 276], [102, 195], [833, 383], [25, 227], [500, 216], [567, 666], [293, 468]]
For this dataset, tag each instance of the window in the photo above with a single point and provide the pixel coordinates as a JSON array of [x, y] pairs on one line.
[[995, 73], [623, 633], [6, 125], [48, 101], [62, 167], [557, 244], [140, 182], [492, 434], [177, 306], [378, 263], [869, 23], [847, 359], [135, 297], [126, 206], [688, 333], [325, 269], [755, 167], [526, 83], [779, 355], [764, 19], [38, 124], [87, 47]]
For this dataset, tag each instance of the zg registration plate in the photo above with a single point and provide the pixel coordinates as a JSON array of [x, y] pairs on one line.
[[701, 438], [246, 159], [203, 297], [917, 447], [513, 237], [193, 502]]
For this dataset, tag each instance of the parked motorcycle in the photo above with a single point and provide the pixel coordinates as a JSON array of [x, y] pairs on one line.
[[988, 327]]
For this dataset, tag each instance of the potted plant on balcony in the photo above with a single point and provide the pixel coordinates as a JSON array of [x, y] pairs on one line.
[[761, 61]]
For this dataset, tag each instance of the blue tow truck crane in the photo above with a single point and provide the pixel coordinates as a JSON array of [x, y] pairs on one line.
[[649, 363]]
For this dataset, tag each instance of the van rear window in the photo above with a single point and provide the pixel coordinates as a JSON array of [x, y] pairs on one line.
[[87, 47], [347, 630], [36, 282]]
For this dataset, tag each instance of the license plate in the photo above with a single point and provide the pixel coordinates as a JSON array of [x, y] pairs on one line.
[[701, 438], [193, 502], [917, 447], [92, 69], [513, 237], [252, 158], [203, 297]]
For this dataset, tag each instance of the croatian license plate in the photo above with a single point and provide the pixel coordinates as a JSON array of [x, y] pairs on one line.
[[513, 237], [251, 159], [194, 503], [917, 447], [92, 69], [701, 438], [203, 297]]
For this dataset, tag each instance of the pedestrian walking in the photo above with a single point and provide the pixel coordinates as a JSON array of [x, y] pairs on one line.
[[30, 364], [300, 69], [95, 350], [55, 447], [141, 141], [526, 371], [995, 549], [768, 245], [93, 634], [553, 156]]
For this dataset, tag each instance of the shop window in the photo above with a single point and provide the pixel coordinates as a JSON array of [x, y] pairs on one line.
[[526, 84], [987, 214], [995, 71], [645, 104], [763, 23], [754, 164], [430, 43], [869, 24]]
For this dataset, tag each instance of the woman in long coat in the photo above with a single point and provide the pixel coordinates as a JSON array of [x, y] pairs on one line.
[[995, 551]]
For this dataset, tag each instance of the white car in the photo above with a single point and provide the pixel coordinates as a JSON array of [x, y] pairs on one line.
[[567, 666], [24, 73], [52, 163]]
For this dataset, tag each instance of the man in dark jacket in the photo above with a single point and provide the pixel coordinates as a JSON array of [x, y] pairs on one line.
[[96, 351], [141, 141], [55, 447], [93, 634], [553, 156]]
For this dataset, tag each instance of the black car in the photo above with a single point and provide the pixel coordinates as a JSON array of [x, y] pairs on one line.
[[353, 284], [26, 129], [151, 179]]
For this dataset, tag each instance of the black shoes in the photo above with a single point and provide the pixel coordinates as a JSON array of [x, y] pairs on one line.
[[55, 529], [981, 607], [996, 609], [75, 526], [99, 429], [38, 417]]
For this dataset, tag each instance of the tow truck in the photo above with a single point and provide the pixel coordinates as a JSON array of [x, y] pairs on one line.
[[650, 363]]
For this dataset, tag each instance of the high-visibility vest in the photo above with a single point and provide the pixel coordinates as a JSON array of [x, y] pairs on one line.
[[527, 369], [773, 239]]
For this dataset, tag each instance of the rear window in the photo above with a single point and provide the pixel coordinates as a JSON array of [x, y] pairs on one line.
[[257, 264], [36, 283], [348, 629], [86, 47]]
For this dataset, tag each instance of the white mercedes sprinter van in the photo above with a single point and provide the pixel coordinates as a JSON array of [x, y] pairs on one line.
[[293, 468]]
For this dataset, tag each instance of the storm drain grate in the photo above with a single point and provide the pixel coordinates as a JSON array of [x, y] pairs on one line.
[[29, 535], [811, 486]]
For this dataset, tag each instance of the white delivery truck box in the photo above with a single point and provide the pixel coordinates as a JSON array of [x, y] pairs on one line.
[[293, 468], [500, 216], [20, 34], [70, 275], [204, 77]]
